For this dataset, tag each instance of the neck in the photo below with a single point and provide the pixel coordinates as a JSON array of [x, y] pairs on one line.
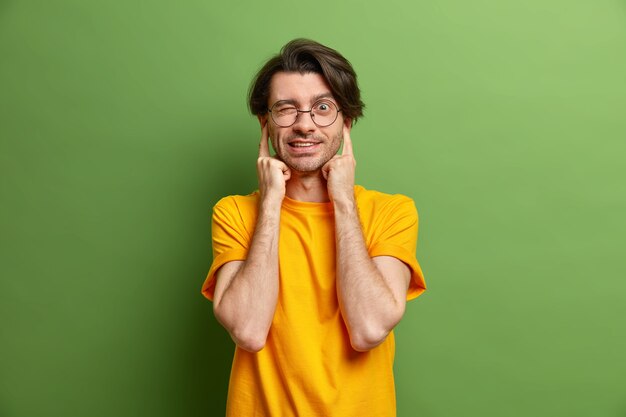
[[307, 186]]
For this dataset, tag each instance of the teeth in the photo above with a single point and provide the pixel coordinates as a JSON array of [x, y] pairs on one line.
[[302, 145]]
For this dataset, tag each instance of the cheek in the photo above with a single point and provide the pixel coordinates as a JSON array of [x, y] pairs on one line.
[[272, 133], [338, 140]]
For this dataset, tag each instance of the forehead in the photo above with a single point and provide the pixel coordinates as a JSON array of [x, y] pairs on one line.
[[300, 88]]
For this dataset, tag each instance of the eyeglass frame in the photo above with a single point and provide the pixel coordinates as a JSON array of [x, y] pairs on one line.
[[298, 111]]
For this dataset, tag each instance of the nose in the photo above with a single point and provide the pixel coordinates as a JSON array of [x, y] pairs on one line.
[[304, 122]]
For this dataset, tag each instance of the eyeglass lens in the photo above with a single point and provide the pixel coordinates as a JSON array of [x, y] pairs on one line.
[[323, 113]]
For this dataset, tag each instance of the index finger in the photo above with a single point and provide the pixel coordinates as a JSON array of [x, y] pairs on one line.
[[347, 142], [264, 148]]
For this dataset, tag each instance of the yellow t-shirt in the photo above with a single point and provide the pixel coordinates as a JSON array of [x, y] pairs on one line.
[[308, 367]]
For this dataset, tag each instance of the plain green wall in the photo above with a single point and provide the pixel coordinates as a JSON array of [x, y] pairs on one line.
[[123, 122]]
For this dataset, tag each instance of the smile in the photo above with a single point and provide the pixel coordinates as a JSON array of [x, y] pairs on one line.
[[302, 144]]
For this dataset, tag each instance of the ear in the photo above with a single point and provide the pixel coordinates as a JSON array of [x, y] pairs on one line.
[[262, 119]]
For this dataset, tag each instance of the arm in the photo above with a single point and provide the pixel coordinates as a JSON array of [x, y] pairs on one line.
[[246, 291], [371, 291]]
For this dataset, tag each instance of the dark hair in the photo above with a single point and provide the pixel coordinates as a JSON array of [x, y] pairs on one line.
[[305, 56]]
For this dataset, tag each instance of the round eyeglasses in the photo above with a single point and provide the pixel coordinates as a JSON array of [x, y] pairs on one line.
[[323, 113]]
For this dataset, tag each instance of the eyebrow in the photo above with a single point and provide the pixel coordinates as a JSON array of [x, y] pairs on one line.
[[323, 95], [314, 98]]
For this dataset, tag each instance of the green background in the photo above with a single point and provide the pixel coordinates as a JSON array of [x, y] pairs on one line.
[[123, 122]]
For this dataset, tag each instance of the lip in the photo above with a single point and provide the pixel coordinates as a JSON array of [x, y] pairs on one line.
[[303, 146]]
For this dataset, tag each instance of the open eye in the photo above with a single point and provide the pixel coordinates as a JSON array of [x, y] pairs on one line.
[[323, 107]]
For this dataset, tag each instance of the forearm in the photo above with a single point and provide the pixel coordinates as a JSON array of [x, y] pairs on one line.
[[247, 300], [368, 304]]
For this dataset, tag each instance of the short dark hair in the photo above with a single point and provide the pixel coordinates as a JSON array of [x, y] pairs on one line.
[[305, 56]]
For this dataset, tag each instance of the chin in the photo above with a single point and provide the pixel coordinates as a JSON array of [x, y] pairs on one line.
[[305, 169], [304, 166]]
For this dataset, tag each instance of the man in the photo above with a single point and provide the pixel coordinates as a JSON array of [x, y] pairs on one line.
[[311, 273]]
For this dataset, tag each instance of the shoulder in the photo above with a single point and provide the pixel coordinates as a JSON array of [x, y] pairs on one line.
[[240, 203], [237, 209], [377, 202]]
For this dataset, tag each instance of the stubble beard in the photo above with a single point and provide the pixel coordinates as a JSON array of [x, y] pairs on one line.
[[307, 164]]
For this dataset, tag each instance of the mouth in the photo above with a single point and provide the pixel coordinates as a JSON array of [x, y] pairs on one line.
[[303, 145]]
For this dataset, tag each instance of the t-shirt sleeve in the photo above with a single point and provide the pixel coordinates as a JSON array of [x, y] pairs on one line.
[[397, 237], [230, 238]]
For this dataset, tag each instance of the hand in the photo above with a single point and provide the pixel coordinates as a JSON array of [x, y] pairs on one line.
[[273, 174], [339, 172]]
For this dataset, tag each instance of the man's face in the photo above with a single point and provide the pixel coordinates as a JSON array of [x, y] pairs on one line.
[[303, 146]]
